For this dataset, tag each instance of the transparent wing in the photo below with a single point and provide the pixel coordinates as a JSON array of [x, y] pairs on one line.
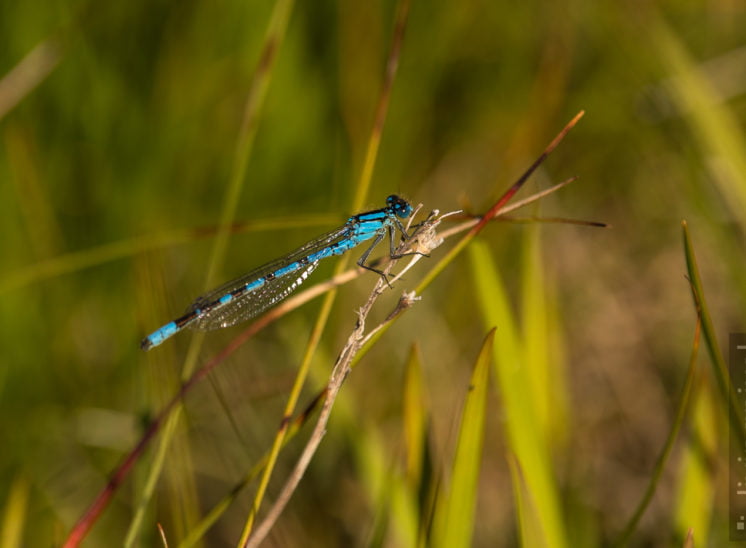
[[251, 303], [254, 302]]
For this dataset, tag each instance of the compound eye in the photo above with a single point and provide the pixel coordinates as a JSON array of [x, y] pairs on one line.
[[403, 209], [400, 206]]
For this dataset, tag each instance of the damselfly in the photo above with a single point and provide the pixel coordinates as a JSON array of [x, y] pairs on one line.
[[263, 287]]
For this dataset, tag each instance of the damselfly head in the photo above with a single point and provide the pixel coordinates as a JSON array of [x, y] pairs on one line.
[[400, 206]]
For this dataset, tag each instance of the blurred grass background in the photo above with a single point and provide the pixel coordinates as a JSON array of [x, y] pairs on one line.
[[113, 172]]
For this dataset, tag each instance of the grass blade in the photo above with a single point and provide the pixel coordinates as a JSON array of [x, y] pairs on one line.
[[14, 518], [454, 518], [523, 427], [696, 492], [668, 446], [728, 393]]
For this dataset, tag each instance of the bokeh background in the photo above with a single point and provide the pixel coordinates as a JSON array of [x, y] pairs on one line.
[[119, 129]]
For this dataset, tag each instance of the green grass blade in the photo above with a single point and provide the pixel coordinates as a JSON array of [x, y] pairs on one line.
[[415, 418], [696, 487], [528, 527], [667, 446], [524, 429], [543, 368], [421, 478], [454, 518], [727, 391], [14, 516]]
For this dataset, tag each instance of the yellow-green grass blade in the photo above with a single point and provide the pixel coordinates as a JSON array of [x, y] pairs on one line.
[[421, 477], [696, 493], [454, 517], [415, 418], [392, 500], [523, 428], [528, 527], [14, 515], [544, 365]]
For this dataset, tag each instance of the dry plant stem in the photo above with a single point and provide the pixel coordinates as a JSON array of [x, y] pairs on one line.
[[423, 237], [406, 301], [162, 534]]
